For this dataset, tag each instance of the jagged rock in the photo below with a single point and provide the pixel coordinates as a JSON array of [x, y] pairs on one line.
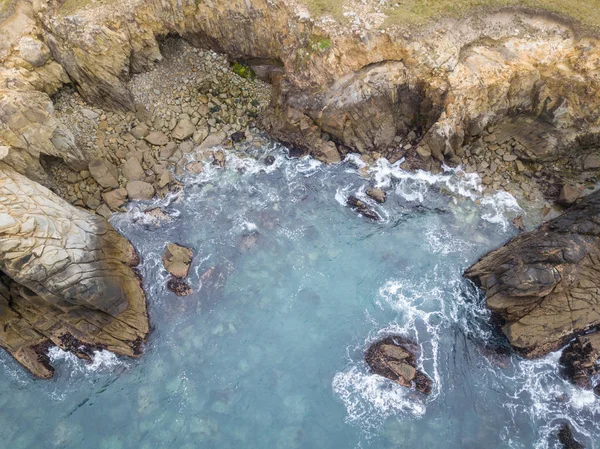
[[115, 198], [565, 436], [394, 357], [362, 208], [184, 129], [238, 137], [179, 286], [578, 361], [219, 158], [132, 170], [377, 194], [568, 195], [105, 173], [591, 162], [543, 284], [140, 190], [156, 138], [34, 51], [200, 135], [69, 279], [164, 179], [177, 260], [269, 160]]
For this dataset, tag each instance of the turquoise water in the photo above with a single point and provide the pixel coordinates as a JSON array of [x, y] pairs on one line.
[[268, 351]]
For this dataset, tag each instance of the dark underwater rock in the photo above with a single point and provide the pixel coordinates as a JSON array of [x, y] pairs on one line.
[[394, 357], [179, 286], [565, 436]]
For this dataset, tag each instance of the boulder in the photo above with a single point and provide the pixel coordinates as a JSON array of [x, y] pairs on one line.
[[179, 286], [195, 167], [184, 129], [156, 138], [164, 179], [362, 208], [115, 198], [394, 357], [105, 173], [177, 260], [132, 169], [34, 51], [238, 137], [568, 195], [543, 285], [140, 190], [219, 158], [592, 162], [213, 140], [140, 131], [377, 194]]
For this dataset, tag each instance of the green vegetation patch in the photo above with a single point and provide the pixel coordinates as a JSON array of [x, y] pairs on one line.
[[69, 7], [319, 43], [243, 70]]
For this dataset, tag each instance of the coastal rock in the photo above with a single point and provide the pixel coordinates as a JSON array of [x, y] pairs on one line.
[[115, 198], [179, 286], [34, 51], [177, 260], [132, 170], [395, 358], [156, 138], [568, 441], [67, 279], [543, 284], [377, 194], [362, 208], [184, 129], [105, 173], [568, 195], [140, 190], [213, 140], [578, 360]]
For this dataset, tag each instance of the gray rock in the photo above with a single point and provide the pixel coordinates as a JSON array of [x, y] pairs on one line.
[[377, 194], [591, 162], [132, 170], [568, 195], [140, 131], [164, 179], [34, 51], [105, 173], [140, 190], [157, 138], [184, 129]]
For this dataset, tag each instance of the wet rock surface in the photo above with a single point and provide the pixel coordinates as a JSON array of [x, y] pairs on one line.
[[362, 208], [566, 438], [177, 260], [544, 284], [395, 358], [579, 360]]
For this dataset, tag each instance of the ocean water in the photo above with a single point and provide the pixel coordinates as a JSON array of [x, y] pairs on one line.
[[268, 350]]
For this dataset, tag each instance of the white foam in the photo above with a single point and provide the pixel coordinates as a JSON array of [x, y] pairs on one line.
[[101, 360], [501, 206]]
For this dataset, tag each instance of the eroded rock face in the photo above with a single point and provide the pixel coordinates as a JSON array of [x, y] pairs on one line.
[[68, 278], [544, 284], [578, 361], [395, 358]]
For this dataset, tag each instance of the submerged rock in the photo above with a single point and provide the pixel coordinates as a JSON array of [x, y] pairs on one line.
[[544, 284], [177, 260], [362, 208], [179, 286], [395, 358], [565, 436]]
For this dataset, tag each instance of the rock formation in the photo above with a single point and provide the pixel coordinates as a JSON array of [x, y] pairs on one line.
[[544, 284], [67, 279], [394, 357]]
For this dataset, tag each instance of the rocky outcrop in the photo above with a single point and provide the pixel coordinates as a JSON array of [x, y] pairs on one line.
[[544, 285], [177, 260], [578, 361], [394, 357], [566, 438], [67, 279]]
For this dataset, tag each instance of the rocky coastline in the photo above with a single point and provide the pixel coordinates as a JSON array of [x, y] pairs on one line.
[[106, 103]]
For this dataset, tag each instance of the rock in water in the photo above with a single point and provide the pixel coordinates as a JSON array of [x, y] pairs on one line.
[[362, 208], [177, 260], [68, 279], [377, 194], [565, 436], [179, 286], [578, 360], [544, 284], [395, 358]]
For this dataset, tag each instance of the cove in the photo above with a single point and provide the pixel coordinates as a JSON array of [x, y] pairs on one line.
[[268, 349]]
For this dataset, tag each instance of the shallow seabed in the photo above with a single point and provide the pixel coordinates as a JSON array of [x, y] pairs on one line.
[[268, 350]]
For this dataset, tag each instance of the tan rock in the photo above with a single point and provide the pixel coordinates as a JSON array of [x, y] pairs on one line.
[[115, 198], [140, 190], [105, 173], [157, 138], [132, 170], [177, 260]]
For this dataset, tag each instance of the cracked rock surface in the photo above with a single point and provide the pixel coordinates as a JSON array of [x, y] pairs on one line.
[[67, 279], [544, 284]]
